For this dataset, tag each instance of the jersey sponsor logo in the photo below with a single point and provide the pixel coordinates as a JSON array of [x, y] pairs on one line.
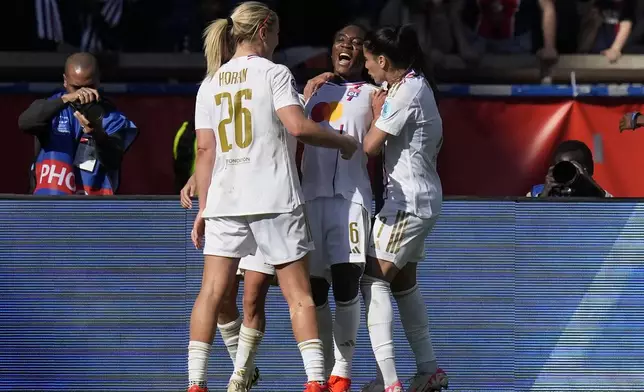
[[327, 111], [237, 161]]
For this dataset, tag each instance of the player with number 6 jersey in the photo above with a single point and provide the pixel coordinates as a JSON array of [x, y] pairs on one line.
[[338, 203], [247, 117]]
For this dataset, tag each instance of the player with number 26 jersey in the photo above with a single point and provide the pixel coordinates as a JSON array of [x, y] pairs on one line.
[[255, 170]]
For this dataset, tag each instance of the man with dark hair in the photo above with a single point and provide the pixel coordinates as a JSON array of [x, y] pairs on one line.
[[81, 136], [582, 167]]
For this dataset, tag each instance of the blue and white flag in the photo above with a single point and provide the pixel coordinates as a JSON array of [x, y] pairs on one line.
[[48, 20]]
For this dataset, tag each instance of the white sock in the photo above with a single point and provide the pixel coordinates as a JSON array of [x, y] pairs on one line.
[[380, 317], [249, 340], [313, 356], [345, 329], [413, 315], [198, 354], [325, 330], [230, 335]]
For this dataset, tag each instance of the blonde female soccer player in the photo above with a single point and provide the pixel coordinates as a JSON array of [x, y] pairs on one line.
[[249, 193]]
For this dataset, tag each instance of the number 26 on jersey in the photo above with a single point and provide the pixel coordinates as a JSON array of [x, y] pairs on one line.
[[239, 116]]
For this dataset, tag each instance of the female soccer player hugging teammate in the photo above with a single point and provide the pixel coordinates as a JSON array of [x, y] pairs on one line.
[[409, 130], [246, 108], [338, 202]]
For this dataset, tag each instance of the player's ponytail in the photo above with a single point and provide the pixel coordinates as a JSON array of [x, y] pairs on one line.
[[217, 45], [401, 46], [223, 35], [408, 38]]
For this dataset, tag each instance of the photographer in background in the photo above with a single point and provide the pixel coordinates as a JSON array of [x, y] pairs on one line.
[[571, 174], [82, 137]]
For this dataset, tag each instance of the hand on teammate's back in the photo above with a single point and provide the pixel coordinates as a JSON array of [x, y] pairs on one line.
[[350, 147]]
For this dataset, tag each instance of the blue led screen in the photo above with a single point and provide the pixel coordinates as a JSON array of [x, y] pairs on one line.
[[95, 295]]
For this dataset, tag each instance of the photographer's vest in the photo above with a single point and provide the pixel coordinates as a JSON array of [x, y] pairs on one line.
[[536, 190], [67, 164]]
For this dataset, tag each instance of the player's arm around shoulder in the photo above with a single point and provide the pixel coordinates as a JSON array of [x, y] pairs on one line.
[[314, 84], [289, 110], [307, 131]]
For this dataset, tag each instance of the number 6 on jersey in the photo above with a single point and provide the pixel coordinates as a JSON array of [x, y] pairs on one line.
[[239, 115]]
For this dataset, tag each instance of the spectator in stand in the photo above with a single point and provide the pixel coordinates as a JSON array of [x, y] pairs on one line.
[[635, 42], [502, 26], [606, 26]]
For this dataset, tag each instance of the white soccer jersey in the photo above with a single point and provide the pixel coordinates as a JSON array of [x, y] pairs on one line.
[[255, 170], [344, 107], [411, 117]]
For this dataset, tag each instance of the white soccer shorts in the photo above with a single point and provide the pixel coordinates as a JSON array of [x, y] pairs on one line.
[[339, 229], [399, 237], [281, 238], [256, 263]]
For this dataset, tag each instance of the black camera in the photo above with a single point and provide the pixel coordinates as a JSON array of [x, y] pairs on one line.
[[93, 111], [570, 180]]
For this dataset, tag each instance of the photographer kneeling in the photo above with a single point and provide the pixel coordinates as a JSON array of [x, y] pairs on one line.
[[571, 174], [82, 137]]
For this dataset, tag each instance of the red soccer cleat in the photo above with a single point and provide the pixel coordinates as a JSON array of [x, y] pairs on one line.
[[197, 388], [339, 384], [314, 386]]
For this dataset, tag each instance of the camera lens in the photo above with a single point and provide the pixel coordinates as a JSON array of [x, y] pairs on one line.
[[564, 172], [93, 112]]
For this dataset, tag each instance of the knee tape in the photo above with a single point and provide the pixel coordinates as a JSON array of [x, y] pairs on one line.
[[300, 306]]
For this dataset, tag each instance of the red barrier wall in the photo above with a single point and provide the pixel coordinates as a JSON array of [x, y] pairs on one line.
[[492, 147]]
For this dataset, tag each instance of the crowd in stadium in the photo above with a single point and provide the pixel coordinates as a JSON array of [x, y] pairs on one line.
[[465, 27]]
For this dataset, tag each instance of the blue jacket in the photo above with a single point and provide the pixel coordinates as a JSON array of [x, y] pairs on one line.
[[68, 163]]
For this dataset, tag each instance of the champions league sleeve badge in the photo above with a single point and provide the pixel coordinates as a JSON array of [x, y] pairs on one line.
[[386, 109]]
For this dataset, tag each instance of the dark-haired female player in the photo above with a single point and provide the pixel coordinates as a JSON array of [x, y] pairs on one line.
[[338, 203], [409, 130]]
